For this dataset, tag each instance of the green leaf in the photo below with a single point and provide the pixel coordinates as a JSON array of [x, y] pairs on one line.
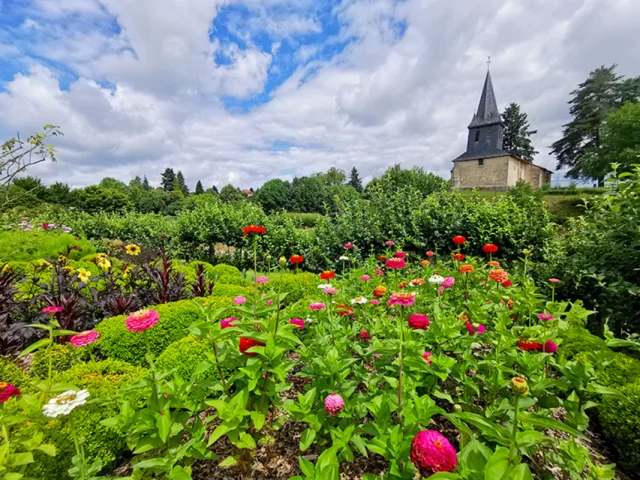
[[521, 472], [34, 346], [530, 438], [48, 449], [545, 422], [163, 424], [217, 433], [307, 438], [246, 441], [258, 420], [179, 473], [442, 476], [602, 390], [17, 459], [228, 462], [161, 463], [495, 431], [497, 464], [307, 467]]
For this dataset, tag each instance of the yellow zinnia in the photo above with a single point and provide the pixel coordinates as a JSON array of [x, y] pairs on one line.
[[104, 263], [132, 249], [83, 275]]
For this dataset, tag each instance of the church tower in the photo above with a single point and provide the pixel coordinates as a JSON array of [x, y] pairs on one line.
[[486, 129]]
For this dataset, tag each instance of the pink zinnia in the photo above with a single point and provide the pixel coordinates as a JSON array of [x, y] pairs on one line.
[[142, 320], [348, 246], [550, 347], [403, 299], [330, 290], [374, 302], [262, 279], [227, 322], [84, 338], [431, 453], [298, 322], [419, 321], [555, 280], [365, 336], [365, 278], [379, 273], [317, 306], [448, 282], [427, 356], [389, 243], [7, 391], [52, 309], [333, 404], [400, 255], [545, 316], [472, 330], [377, 355], [239, 300], [440, 290], [395, 263]]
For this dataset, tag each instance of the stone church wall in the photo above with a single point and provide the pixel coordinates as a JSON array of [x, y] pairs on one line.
[[492, 175]]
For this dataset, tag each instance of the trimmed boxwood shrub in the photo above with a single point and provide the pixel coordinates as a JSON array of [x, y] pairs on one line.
[[117, 342], [621, 424], [296, 285], [227, 275], [577, 339], [231, 291], [9, 373], [185, 355], [102, 380], [63, 358]]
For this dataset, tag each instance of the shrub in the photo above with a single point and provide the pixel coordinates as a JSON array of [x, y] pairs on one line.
[[102, 380], [118, 343], [622, 370], [231, 291], [227, 274], [17, 245], [185, 355], [577, 339], [10, 373], [621, 424], [296, 285], [63, 358]]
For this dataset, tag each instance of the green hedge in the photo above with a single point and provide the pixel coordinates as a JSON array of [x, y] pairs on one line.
[[9, 373], [102, 380], [296, 285], [63, 358], [185, 355], [17, 245], [118, 343], [577, 340]]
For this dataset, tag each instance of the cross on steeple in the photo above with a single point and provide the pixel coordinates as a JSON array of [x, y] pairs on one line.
[[488, 62]]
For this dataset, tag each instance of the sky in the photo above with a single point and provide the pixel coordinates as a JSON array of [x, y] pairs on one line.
[[245, 91]]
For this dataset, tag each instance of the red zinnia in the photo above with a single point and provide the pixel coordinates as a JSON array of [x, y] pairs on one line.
[[382, 257], [430, 253], [458, 256], [253, 229], [344, 310], [527, 345], [489, 248], [296, 259], [246, 343], [365, 336], [459, 240], [507, 283], [327, 275]]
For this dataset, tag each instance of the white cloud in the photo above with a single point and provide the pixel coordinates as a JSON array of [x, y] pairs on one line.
[[402, 92]]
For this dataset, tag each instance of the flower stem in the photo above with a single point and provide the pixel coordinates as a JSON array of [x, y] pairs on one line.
[[400, 359], [514, 431]]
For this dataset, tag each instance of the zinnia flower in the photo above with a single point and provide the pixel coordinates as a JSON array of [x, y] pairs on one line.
[[489, 248], [296, 259], [458, 256], [466, 268], [104, 263], [449, 282], [365, 336], [425, 263], [555, 280], [359, 300], [545, 316], [382, 257], [431, 453], [379, 273], [550, 347], [400, 255], [227, 322], [419, 321], [374, 302], [348, 246], [344, 310], [298, 322], [507, 284], [262, 279], [365, 278], [253, 230], [380, 291], [499, 276], [330, 291], [427, 357], [142, 320], [239, 300], [395, 263], [510, 304], [527, 345], [389, 243], [402, 285], [64, 403], [430, 253], [324, 285], [317, 306], [333, 404], [416, 282], [327, 275], [246, 343], [436, 279], [132, 250], [84, 338], [283, 261], [473, 330], [459, 240], [343, 258], [52, 309], [493, 263], [520, 386], [403, 299], [83, 275], [8, 391]]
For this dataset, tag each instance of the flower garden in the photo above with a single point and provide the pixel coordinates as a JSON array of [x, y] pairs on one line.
[[444, 365]]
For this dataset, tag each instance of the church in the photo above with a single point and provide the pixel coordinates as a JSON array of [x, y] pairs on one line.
[[485, 165]]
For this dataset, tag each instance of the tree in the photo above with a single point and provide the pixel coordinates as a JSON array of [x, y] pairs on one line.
[[416, 179], [182, 184], [308, 195], [214, 189], [177, 189], [168, 177], [136, 182], [517, 134], [199, 188], [333, 176], [354, 180], [145, 183], [229, 194], [59, 193], [109, 182], [602, 93], [17, 155], [274, 195], [95, 199]]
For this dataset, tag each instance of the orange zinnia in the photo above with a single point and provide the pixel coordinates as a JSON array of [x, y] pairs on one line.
[[425, 263], [327, 275], [498, 276], [493, 263], [380, 291], [466, 269]]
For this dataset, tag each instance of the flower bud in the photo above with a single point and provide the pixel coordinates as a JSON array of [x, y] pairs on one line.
[[520, 386], [457, 408], [526, 251], [282, 261]]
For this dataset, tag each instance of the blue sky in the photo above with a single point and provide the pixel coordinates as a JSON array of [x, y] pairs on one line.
[[241, 91]]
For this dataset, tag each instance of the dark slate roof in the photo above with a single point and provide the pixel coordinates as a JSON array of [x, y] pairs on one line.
[[487, 152], [487, 112]]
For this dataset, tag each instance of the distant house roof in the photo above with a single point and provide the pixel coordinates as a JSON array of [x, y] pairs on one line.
[[247, 192]]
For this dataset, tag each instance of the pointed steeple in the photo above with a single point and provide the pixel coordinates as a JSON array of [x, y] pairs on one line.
[[487, 112]]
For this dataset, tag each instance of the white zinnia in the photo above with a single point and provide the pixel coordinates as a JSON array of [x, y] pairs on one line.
[[324, 285], [359, 300], [64, 403], [436, 279], [343, 258]]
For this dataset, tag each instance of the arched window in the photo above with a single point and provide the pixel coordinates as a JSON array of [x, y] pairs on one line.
[[477, 135]]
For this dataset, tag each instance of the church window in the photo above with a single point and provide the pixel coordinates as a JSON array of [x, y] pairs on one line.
[[477, 135], [480, 162]]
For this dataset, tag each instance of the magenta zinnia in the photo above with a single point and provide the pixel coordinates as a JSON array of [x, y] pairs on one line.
[[395, 262], [333, 404], [52, 309], [431, 452], [402, 299], [419, 321], [239, 300], [545, 316], [142, 320], [84, 338], [298, 322], [227, 322], [317, 306], [7, 391]]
